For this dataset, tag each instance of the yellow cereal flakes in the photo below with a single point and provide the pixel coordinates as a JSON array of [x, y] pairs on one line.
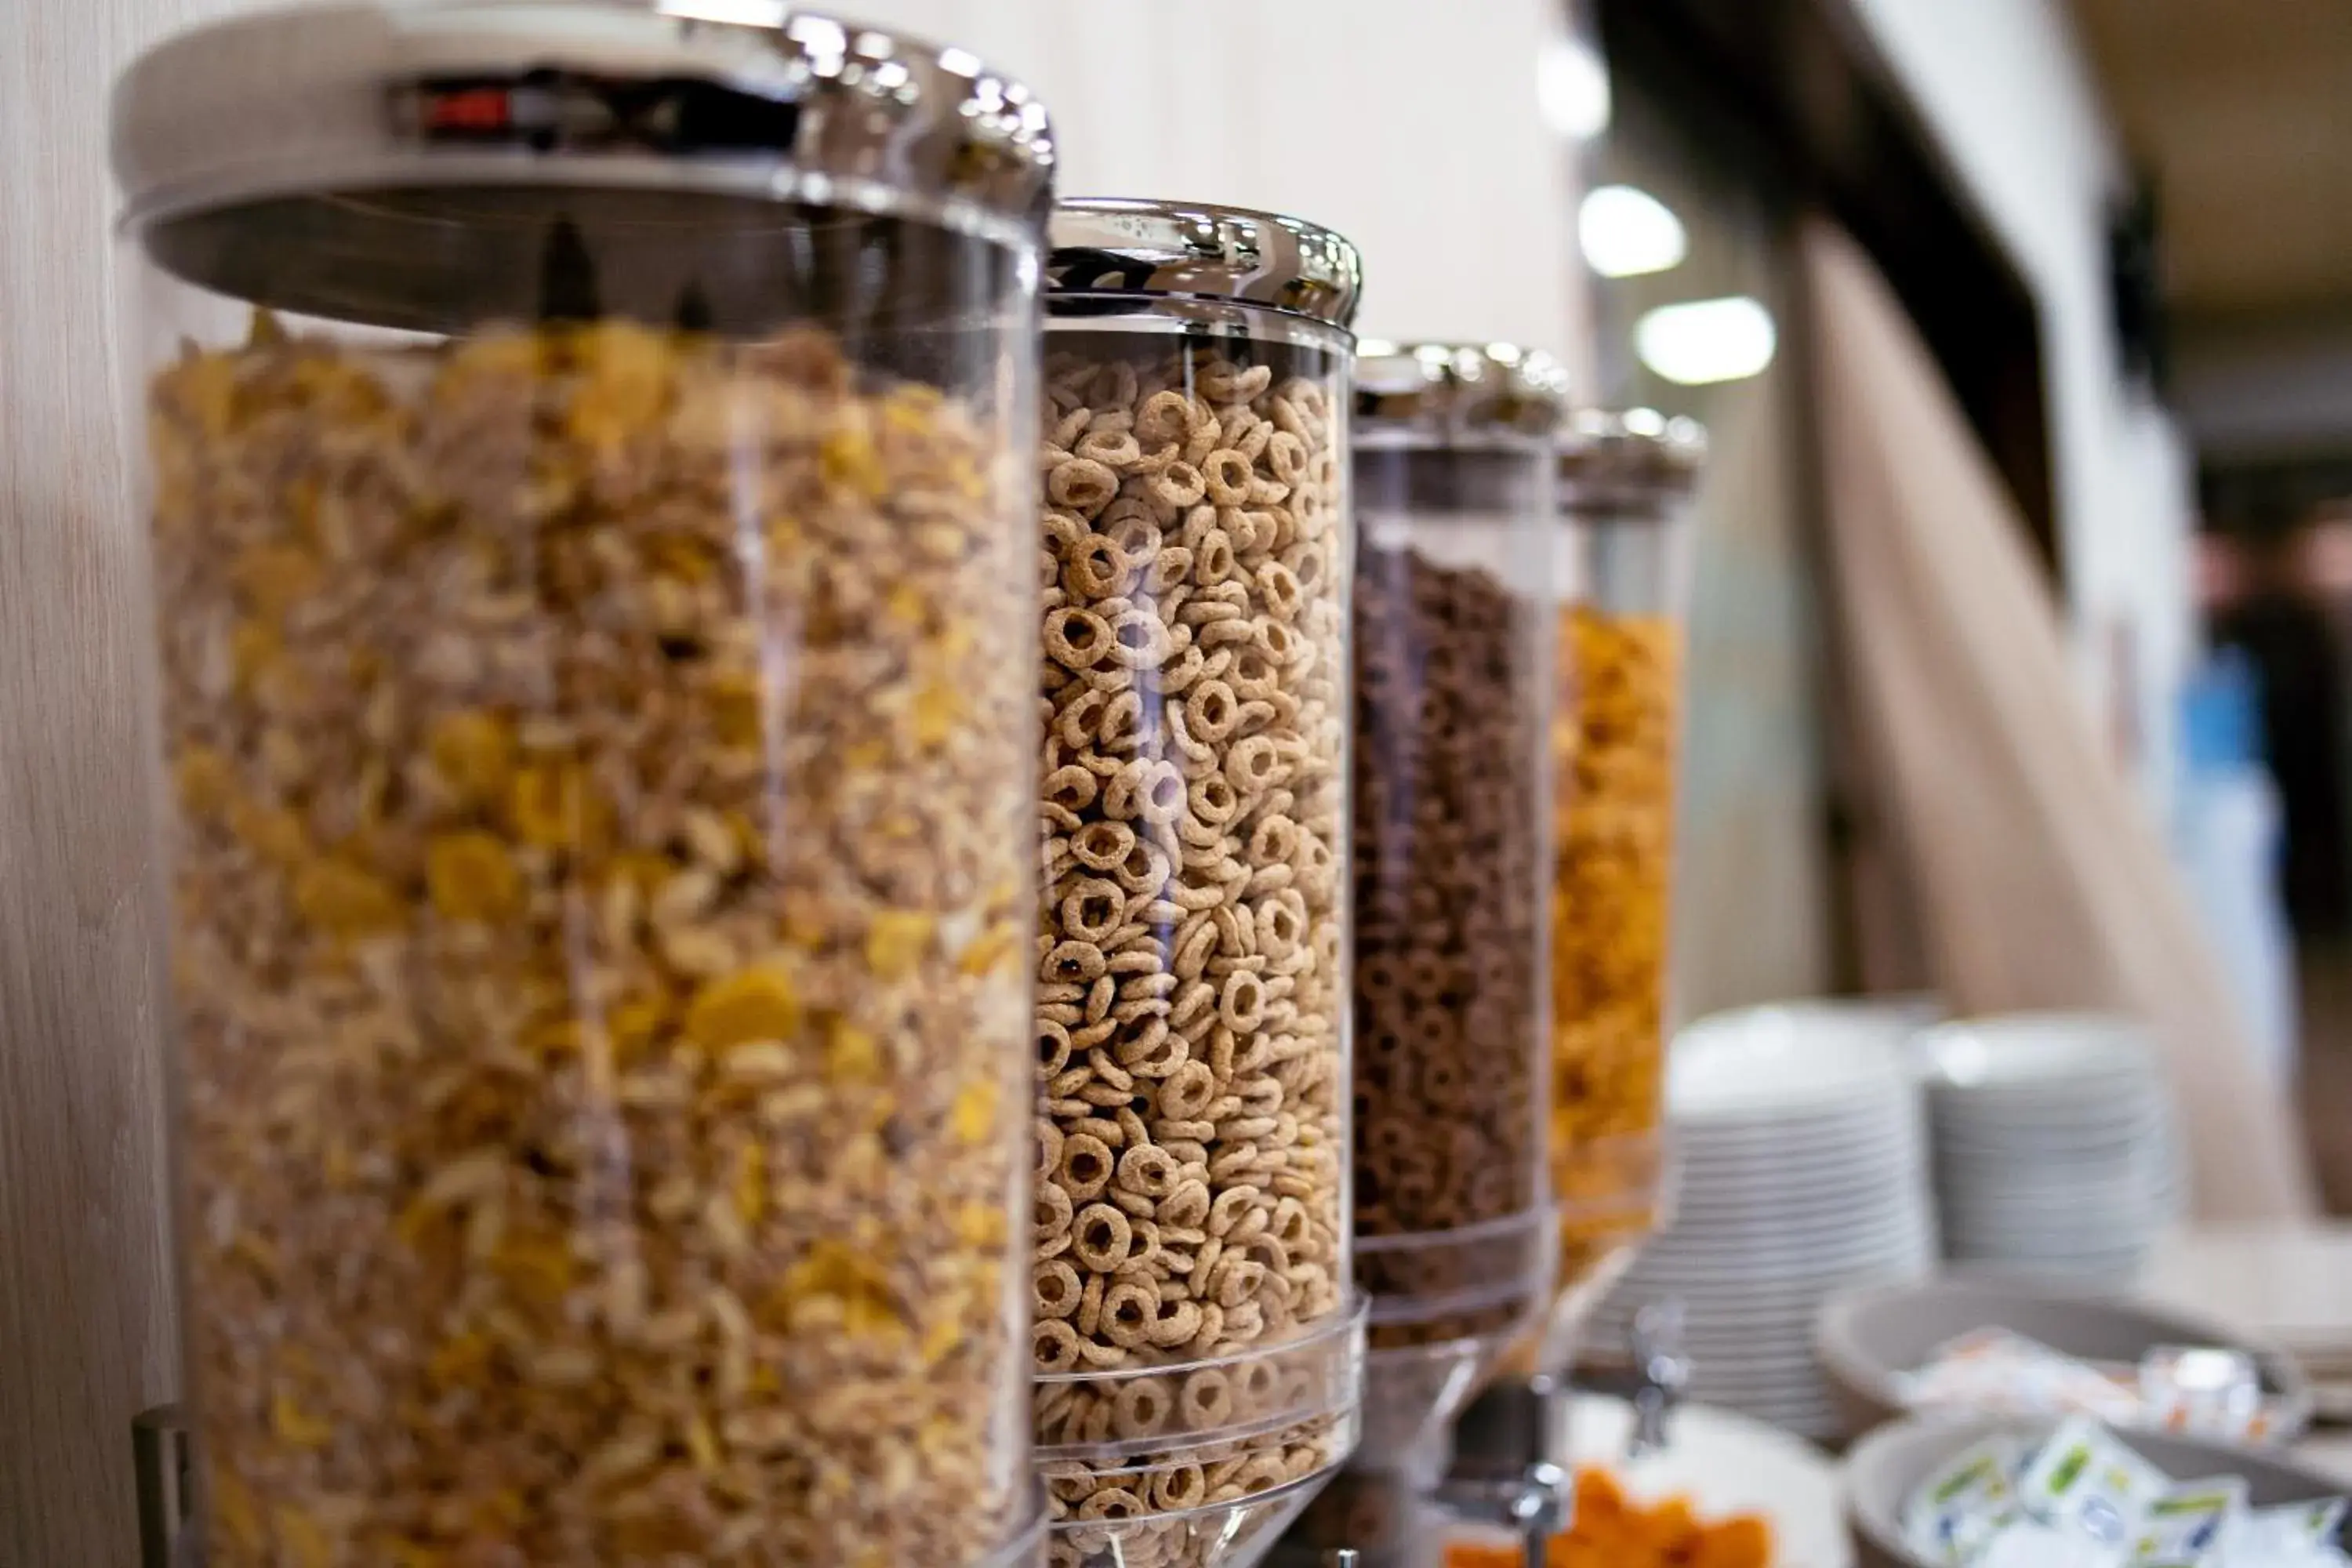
[[473, 752], [760, 1002], [573, 1181], [472, 877], [896, 941], [346, 899], [1614, 761]]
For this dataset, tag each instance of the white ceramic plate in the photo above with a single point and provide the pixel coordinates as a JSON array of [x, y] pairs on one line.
[[2132, 1097], [1781, 1060], [1792, 1267], [1771, 1259], [2143, 1213], [2035, 1048], [1815, 1219], [1762, 1209], [1787, 1254], [1876, 1124], [1817, 1145], [1793, 1172], [2066, 1139], [1726, 1463], [1783, 1184], [2037, 1212], [2052, 1140], [1711, 1225], [2043, 1250], [1773, 1283]]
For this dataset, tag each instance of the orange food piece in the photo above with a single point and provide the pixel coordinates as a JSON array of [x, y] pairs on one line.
[[1598, 1499], [1745, 1542], [1611, 1531]]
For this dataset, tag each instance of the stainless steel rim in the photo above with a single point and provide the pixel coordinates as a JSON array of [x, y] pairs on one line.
[[1629, 460], [1456, 390], [614, 93], [1116, 245]]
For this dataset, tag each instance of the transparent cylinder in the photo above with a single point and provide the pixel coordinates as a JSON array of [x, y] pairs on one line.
[[1624, 565], [1198, 1343], [1454, 696], [598, 679]]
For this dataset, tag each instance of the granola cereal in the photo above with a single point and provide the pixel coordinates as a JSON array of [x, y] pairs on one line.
[[1191, 1139], [1614, 760], [1449, 1023], [602, 767]]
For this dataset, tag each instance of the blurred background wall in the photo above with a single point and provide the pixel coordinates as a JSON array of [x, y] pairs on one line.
[[1431, 135], [2008, 94]]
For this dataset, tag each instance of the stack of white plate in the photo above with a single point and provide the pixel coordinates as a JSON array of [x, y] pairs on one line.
[[2056, 1153], [1803, 1160]]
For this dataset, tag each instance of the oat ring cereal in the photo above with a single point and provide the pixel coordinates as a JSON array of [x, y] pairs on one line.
[[1194, 1338]]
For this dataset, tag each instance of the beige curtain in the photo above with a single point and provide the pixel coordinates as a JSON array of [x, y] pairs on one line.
[[2038, 880]]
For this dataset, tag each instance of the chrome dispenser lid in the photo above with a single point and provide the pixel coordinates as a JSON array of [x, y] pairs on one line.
[[350, 107], [1629, 457], [1453, 390], [1102, 244]]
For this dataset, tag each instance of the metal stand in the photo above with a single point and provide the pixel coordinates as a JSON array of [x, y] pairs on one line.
[[1503, 1472]]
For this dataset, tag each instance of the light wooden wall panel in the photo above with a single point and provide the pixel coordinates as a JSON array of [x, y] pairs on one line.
[[1416, 127], [86, 1336]]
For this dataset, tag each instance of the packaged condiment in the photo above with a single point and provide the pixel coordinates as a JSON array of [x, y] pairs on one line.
[[2200, 1390], [2081, 1498]]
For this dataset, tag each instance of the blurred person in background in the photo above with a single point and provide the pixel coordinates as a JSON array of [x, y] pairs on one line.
[[2280, 624]]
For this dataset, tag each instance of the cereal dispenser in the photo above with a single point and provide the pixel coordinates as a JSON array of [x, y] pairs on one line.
[[1198, 1336], [1625, 483], [589, 459], [1620, 576], [1452, 675]]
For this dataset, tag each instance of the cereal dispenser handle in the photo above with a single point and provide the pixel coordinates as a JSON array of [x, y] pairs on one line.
[[1651, 1379]]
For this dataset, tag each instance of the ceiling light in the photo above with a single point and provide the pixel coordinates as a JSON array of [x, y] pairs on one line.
[[729, 12], [1573, 88], [1706, 340], [1626, 232]]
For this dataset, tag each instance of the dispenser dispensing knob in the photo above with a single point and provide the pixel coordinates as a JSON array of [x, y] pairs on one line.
[[1503, 1474], [1661, 1374]]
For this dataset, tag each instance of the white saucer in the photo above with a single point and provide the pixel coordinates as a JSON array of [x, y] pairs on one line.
[[1726, 1464]]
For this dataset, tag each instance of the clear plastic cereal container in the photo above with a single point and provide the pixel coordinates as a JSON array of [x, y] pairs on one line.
[[1625, 480], [1454, 611], [589, 461], [1198, 1338], [1454, 452]]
